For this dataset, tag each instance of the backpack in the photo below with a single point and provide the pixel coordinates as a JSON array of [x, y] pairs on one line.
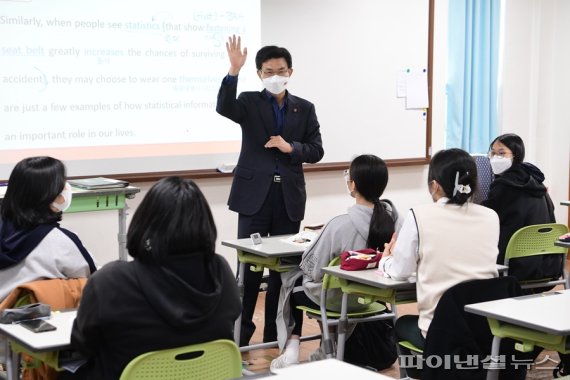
[[372, 345]]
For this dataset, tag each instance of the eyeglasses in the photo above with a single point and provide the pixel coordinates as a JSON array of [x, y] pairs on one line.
[[270, 73], [501, 154], [346, 175]]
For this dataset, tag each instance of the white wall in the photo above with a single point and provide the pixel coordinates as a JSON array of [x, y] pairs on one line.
[[539, 119], [534, 95]]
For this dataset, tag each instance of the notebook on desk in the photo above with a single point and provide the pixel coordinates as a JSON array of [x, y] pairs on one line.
[[98, 183]]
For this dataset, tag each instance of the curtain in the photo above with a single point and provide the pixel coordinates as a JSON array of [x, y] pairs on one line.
[[473, 41]]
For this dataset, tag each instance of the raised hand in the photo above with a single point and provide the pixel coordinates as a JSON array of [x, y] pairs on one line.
[[236, 55]]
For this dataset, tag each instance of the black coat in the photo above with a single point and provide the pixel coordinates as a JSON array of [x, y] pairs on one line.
[[453, 331], [256, 165], [129, 308], [520, 199]]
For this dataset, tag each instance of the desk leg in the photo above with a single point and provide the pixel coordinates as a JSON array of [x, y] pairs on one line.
[[12, 363], [122, 235], [493, 371], [237, 326], [342, 327]]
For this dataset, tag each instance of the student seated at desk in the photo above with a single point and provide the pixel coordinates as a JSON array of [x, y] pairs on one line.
[[370, 222], [446, 242], [177, 291], [520, 198], [32, 244]]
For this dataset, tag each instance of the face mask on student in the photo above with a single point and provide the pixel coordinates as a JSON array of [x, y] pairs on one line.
[[67, 195], [275, 84], [500, 164]]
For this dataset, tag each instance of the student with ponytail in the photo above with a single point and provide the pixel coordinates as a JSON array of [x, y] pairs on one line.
[[369, 223], [446, 242]]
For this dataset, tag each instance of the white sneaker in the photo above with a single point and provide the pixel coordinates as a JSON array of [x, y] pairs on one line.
[[280, 362]]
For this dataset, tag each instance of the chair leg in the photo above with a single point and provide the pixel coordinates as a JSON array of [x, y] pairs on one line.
[[12, 362], [328, 344]]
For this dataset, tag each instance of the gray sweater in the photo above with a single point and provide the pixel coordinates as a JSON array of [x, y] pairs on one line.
[[342, 233]]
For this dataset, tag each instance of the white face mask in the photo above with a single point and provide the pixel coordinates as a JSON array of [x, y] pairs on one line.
[[67, 195], [275, 84], [347, 182], [500, 164]]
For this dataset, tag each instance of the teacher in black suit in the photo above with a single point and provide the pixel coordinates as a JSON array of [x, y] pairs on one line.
[[279, 133]]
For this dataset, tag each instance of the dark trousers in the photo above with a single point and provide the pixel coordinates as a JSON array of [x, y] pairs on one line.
[[272, 219], [299, 298]]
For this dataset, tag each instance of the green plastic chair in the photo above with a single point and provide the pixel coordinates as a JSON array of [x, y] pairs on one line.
[[215, 360], [534, 240], [372, 312]]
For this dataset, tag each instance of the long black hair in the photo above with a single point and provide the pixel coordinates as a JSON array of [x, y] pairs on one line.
[[33, 185], [370, 176]]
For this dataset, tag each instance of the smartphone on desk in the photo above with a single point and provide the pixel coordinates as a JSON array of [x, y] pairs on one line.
[[37, 325]]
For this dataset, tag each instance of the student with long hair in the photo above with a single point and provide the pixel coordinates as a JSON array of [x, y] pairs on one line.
[[445, 242], [175, 292], [33, 246], [517, 194], [369, 223]]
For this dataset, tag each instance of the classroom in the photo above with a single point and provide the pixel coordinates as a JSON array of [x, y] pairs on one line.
[[337, 66]]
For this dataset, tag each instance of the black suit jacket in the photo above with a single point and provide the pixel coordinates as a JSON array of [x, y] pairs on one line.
[[256, 165]]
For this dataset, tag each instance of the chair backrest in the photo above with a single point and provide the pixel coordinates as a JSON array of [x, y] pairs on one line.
[[453, 331], [484, 177], [532, 241], [331, 282], [537, 239], [215, 360]]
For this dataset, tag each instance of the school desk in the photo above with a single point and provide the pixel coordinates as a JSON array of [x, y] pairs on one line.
[[49, 341], [272, 253], [543, 316], [396, 292]]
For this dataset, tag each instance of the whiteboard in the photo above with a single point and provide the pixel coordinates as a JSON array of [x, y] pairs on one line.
[[347, 56]]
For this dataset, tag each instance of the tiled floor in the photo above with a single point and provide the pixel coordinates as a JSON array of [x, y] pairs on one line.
[[258, 361]]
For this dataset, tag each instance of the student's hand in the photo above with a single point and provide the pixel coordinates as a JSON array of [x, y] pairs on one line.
[[279, 143], [389, 246], [236, 55]]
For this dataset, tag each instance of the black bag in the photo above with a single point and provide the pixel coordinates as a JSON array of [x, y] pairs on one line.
[[372, 344]]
